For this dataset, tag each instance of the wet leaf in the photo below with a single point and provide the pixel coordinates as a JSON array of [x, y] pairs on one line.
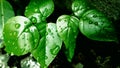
[[20, 36], [96, 26], [6, 11], [39, 9], [79, 7], [49, 45], [67, 27]]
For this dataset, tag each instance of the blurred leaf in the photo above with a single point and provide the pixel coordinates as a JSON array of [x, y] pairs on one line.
[[43, 8], [67, 27], [6, 11], [49, 45], [96, 26]]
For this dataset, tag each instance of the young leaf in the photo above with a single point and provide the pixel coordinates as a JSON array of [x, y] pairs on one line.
[[79, 7], [67, 27], [6, 12], [96, 26], [20, 36], [39, 9], [49, 44]]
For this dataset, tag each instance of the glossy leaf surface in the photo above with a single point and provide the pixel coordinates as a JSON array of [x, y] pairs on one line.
[[49, 44], [20, 35], [79, 7], [6, 11], [96, 26], [67, 27], [39, 9]]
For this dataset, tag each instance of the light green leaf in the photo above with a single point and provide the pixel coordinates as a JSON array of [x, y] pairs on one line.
[[96, 26], [67, 27], [6, 11], [20, 36], [39, 10], [49, 44]]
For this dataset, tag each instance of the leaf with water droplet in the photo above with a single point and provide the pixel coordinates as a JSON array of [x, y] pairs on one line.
[[48, 46], [6, 12], [67, 28], [79, 7], [101, 28], [42, 7], [20, 35]]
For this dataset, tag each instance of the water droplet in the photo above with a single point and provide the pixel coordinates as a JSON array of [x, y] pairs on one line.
[[26, 30], [55, 50], [15, 33], [49, 30], [25, 22], [12, 54], [17, 25], [37, 10], [8, 41], [35, 40], [34, 20]]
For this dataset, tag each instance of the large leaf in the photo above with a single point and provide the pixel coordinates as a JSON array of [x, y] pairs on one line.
[[96, 26], [20, 36], [39, 10], [67, 27], [6, 12], [49, 44]]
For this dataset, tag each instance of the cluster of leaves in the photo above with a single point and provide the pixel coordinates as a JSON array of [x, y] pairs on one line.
[[33, 34]]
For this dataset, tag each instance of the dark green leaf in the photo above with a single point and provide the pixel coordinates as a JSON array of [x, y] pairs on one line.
[[96, 26], [67, 27], [39, 10], [49, 44], [6, 12], [79, 7], [20, 36]]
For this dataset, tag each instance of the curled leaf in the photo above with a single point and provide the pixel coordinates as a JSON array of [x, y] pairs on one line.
[[67, 27], [79, 7], [96, 26], [20, 36], [49, 44]]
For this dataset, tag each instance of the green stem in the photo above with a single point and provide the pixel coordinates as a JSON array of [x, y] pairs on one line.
[[2, 14]]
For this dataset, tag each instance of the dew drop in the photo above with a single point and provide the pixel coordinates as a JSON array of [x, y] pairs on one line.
[[15, 33], [37, 10], [25, 22], [17, 25], [12, 54], [33, 19], [13, 43], [35, 40], [49, 30], [55, 50]]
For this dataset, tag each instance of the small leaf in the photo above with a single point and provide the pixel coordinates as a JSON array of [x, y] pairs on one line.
[[20, 36], [67, 27], [49, 45], [39, 9], [96, 26], [6, 12], [79, 7]]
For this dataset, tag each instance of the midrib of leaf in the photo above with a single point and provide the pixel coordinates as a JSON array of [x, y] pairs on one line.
[[2, 14]]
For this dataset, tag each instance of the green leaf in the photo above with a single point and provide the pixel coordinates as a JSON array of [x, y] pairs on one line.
[[49, 44], [20, 36], [96, 26], [39, 10], [67, 27], [79, 7], [6, 12]]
